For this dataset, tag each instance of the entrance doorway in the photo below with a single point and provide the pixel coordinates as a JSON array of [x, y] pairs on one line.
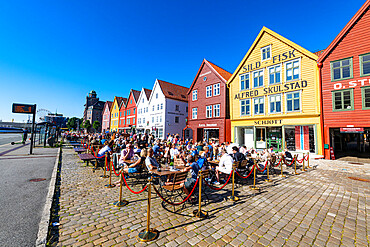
[[200, 134], [350, 144], [274, 138], [260, 138]]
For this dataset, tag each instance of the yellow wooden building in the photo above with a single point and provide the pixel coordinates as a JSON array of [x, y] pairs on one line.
[[275, 96], [115, 114]]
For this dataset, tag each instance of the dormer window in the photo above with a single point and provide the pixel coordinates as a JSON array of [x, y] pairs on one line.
[[266, 52]]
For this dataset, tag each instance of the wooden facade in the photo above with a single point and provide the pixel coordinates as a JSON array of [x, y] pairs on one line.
[[346, 89]]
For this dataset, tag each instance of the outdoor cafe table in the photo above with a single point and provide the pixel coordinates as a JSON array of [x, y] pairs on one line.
[[75, 144], [164, 172], [86, 158], [79, 150]]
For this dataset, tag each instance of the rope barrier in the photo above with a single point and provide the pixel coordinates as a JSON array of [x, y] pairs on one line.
[[263, 168], [114, 170], [176, 203], [218, 188], [96, 155], [278, 163], [247, 175], [306, 157], [291, 163], [300, 161], [135, 192]]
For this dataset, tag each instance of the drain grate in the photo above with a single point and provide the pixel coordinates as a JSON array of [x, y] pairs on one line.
[[360, 179], [37, 179], [356, 163]]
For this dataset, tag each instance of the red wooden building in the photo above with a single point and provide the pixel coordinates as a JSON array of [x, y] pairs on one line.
[[345, 80], [208, 104], [122, 114], [129, 111]]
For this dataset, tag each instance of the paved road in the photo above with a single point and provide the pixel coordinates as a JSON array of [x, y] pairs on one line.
[[22, 201], [8, 138]]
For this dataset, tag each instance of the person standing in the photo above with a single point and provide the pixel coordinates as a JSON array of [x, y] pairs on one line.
[[25, 133]]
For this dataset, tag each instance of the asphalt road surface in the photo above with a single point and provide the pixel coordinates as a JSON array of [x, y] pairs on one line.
[[22, 201], [8, 138]]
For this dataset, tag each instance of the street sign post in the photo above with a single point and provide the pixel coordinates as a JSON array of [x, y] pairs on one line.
[[27, 109]]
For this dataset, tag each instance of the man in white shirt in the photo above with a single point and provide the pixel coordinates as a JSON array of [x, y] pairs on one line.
[[225, 165]]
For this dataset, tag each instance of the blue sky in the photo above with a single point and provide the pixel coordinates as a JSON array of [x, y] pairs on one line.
[[53, 53]]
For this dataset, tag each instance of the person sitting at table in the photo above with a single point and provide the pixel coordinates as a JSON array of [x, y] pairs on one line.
[[190, 182], [287, 155], [206, 154], [126, 154], [224, 166], [150, 162], [237, 156], [107, 149], [136, 167]]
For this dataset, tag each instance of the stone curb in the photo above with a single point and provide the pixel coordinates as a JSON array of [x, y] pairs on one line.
[[45, 217]]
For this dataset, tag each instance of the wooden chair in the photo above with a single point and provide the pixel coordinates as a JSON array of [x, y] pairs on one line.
[[176, 187]]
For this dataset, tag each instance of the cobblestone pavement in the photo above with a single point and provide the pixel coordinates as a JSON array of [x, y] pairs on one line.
[[320, 207]]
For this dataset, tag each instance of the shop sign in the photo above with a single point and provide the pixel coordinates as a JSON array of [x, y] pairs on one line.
[[287, 87], [268, 122], [351, 84], [351, 130], [207, 125], [275, 59]]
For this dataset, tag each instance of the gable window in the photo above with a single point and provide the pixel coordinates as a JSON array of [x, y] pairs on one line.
[[195, 95], [259, 105], [292, 70], [245, 107], [341, 69], [365, 65], [176, 119], [275, 103], [142, 101], [244, 82], [216, 89], [156, 95], [177, 108], [209, 111], [216, 110], [130, 101], [293, 102], [365, 97], [258, 78], [343, 100], [266, 52], [275, 74], [209, 91], [194, 113]]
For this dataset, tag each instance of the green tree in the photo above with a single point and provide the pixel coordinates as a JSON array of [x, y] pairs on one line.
[[96, 125], [72, 123], [87, 125]]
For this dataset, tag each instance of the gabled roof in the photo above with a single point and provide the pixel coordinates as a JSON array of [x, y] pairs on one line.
[[108, 104], [135, 95], [220, 72], [123, 103], [344, 31], [119, 101], [173, 91], [147, 93], [277, 36]]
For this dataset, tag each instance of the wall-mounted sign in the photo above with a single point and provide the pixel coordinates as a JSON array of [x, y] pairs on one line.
[[275, 59], [351, 130], [207, 125], [286, 87], [268, 122], [351, 84], [23, 108]]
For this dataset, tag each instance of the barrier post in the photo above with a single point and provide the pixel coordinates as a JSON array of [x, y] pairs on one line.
[[120, 202], [105, 168], [268, 174], [303, 169], [148, 234], [254, 187], [295, 165], [281, 170], [110, 185], [308, 160], [198, 213], [233, 198]]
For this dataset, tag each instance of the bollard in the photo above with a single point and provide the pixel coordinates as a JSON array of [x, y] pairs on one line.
[[120, 202], [233, 198], [303, 169], [148, 234], [254, 187], [281, 170], [295, 165], [198, 213], [105, 168], [110, 185], [268, 174], [308, 160]]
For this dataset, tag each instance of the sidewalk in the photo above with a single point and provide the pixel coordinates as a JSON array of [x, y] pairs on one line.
[[319, 207]]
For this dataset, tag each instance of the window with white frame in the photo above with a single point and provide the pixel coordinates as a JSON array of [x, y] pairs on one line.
[[245, 107], [195, 95], [244, 82], [209, 91], [216, 110], [158, 107], [156, 95], [194, 113], [139, 120], [275, 103], [157, 118], [143, 120], [152, 119], [153, 107], [266, 52], [209, 111], [160, 119], [161, 106], [258, 78], [259, 105], [292, 70], [275, 74], [216, 89], [293, 101]]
